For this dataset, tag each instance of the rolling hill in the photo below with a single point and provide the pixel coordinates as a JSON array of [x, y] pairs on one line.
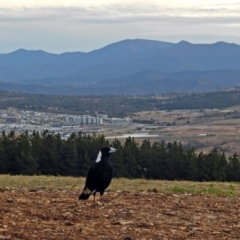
[[125, 67]]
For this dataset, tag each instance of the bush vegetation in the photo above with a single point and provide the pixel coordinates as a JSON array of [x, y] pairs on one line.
[[118, 105]]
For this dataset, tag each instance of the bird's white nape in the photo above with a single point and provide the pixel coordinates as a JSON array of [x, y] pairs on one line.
[[99, 156]]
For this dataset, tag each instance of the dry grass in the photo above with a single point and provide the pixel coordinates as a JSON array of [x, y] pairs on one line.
[[122, 184], [221, 127], [48, 182], [181, 117]]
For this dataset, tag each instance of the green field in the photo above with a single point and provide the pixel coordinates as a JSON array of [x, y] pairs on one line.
[[121, 184]]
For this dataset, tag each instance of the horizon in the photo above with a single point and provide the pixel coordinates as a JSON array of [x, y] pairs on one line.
[[35, 50]]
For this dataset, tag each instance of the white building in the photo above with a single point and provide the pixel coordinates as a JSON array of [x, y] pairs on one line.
[[84, 119], [101, 115], [121, 122]]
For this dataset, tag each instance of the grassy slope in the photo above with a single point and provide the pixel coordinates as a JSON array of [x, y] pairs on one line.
[[76, 184]]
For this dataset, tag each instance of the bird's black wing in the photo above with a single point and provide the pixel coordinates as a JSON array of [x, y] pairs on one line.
[[90, 184], [93, 176], [107, 175]]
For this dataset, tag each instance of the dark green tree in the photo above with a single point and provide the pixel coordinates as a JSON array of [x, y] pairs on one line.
[[3, 160], [130, 156], [48, 159], [233, 171], [117, 160]]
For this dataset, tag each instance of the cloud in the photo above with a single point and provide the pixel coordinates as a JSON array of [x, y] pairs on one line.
[[112, 13], [61, 28]]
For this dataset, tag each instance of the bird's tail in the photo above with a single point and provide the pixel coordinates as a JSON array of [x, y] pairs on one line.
[[85, 193]]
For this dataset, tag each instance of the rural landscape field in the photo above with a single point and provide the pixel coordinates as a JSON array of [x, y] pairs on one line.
[[41, 207], [155, 84], [202, 129], [47, 207]]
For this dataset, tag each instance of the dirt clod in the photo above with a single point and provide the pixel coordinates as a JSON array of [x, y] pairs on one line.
[[58, 214]]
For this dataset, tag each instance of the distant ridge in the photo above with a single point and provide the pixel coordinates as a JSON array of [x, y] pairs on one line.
[[127, 67]]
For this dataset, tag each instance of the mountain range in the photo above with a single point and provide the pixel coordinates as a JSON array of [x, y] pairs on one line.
[[126, 67]]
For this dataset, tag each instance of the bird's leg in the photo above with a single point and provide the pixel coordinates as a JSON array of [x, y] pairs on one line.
[[102, 198], [94, 195]]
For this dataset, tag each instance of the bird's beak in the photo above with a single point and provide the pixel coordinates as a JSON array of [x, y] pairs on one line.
[[112, 150]]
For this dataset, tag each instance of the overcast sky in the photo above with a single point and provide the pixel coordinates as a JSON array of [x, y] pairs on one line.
[[85, 25]]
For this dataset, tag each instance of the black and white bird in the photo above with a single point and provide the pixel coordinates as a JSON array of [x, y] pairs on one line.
[[99, 175]]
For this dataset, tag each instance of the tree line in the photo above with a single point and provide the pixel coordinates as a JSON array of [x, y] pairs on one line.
[[48, 154], [118, 105]]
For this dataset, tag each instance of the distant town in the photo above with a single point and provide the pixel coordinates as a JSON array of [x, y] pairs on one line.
[[21, 121]]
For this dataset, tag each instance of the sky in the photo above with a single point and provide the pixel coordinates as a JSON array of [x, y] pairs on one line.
[[85, 25]]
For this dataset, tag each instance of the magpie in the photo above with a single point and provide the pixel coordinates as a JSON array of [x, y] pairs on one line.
[[99, 175]]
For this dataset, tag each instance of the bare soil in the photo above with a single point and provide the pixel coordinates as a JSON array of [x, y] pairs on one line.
[[58, 214], [201, 129], [225, 137]]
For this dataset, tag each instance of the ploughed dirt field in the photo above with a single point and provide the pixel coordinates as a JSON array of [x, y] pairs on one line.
[[58, 214]]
